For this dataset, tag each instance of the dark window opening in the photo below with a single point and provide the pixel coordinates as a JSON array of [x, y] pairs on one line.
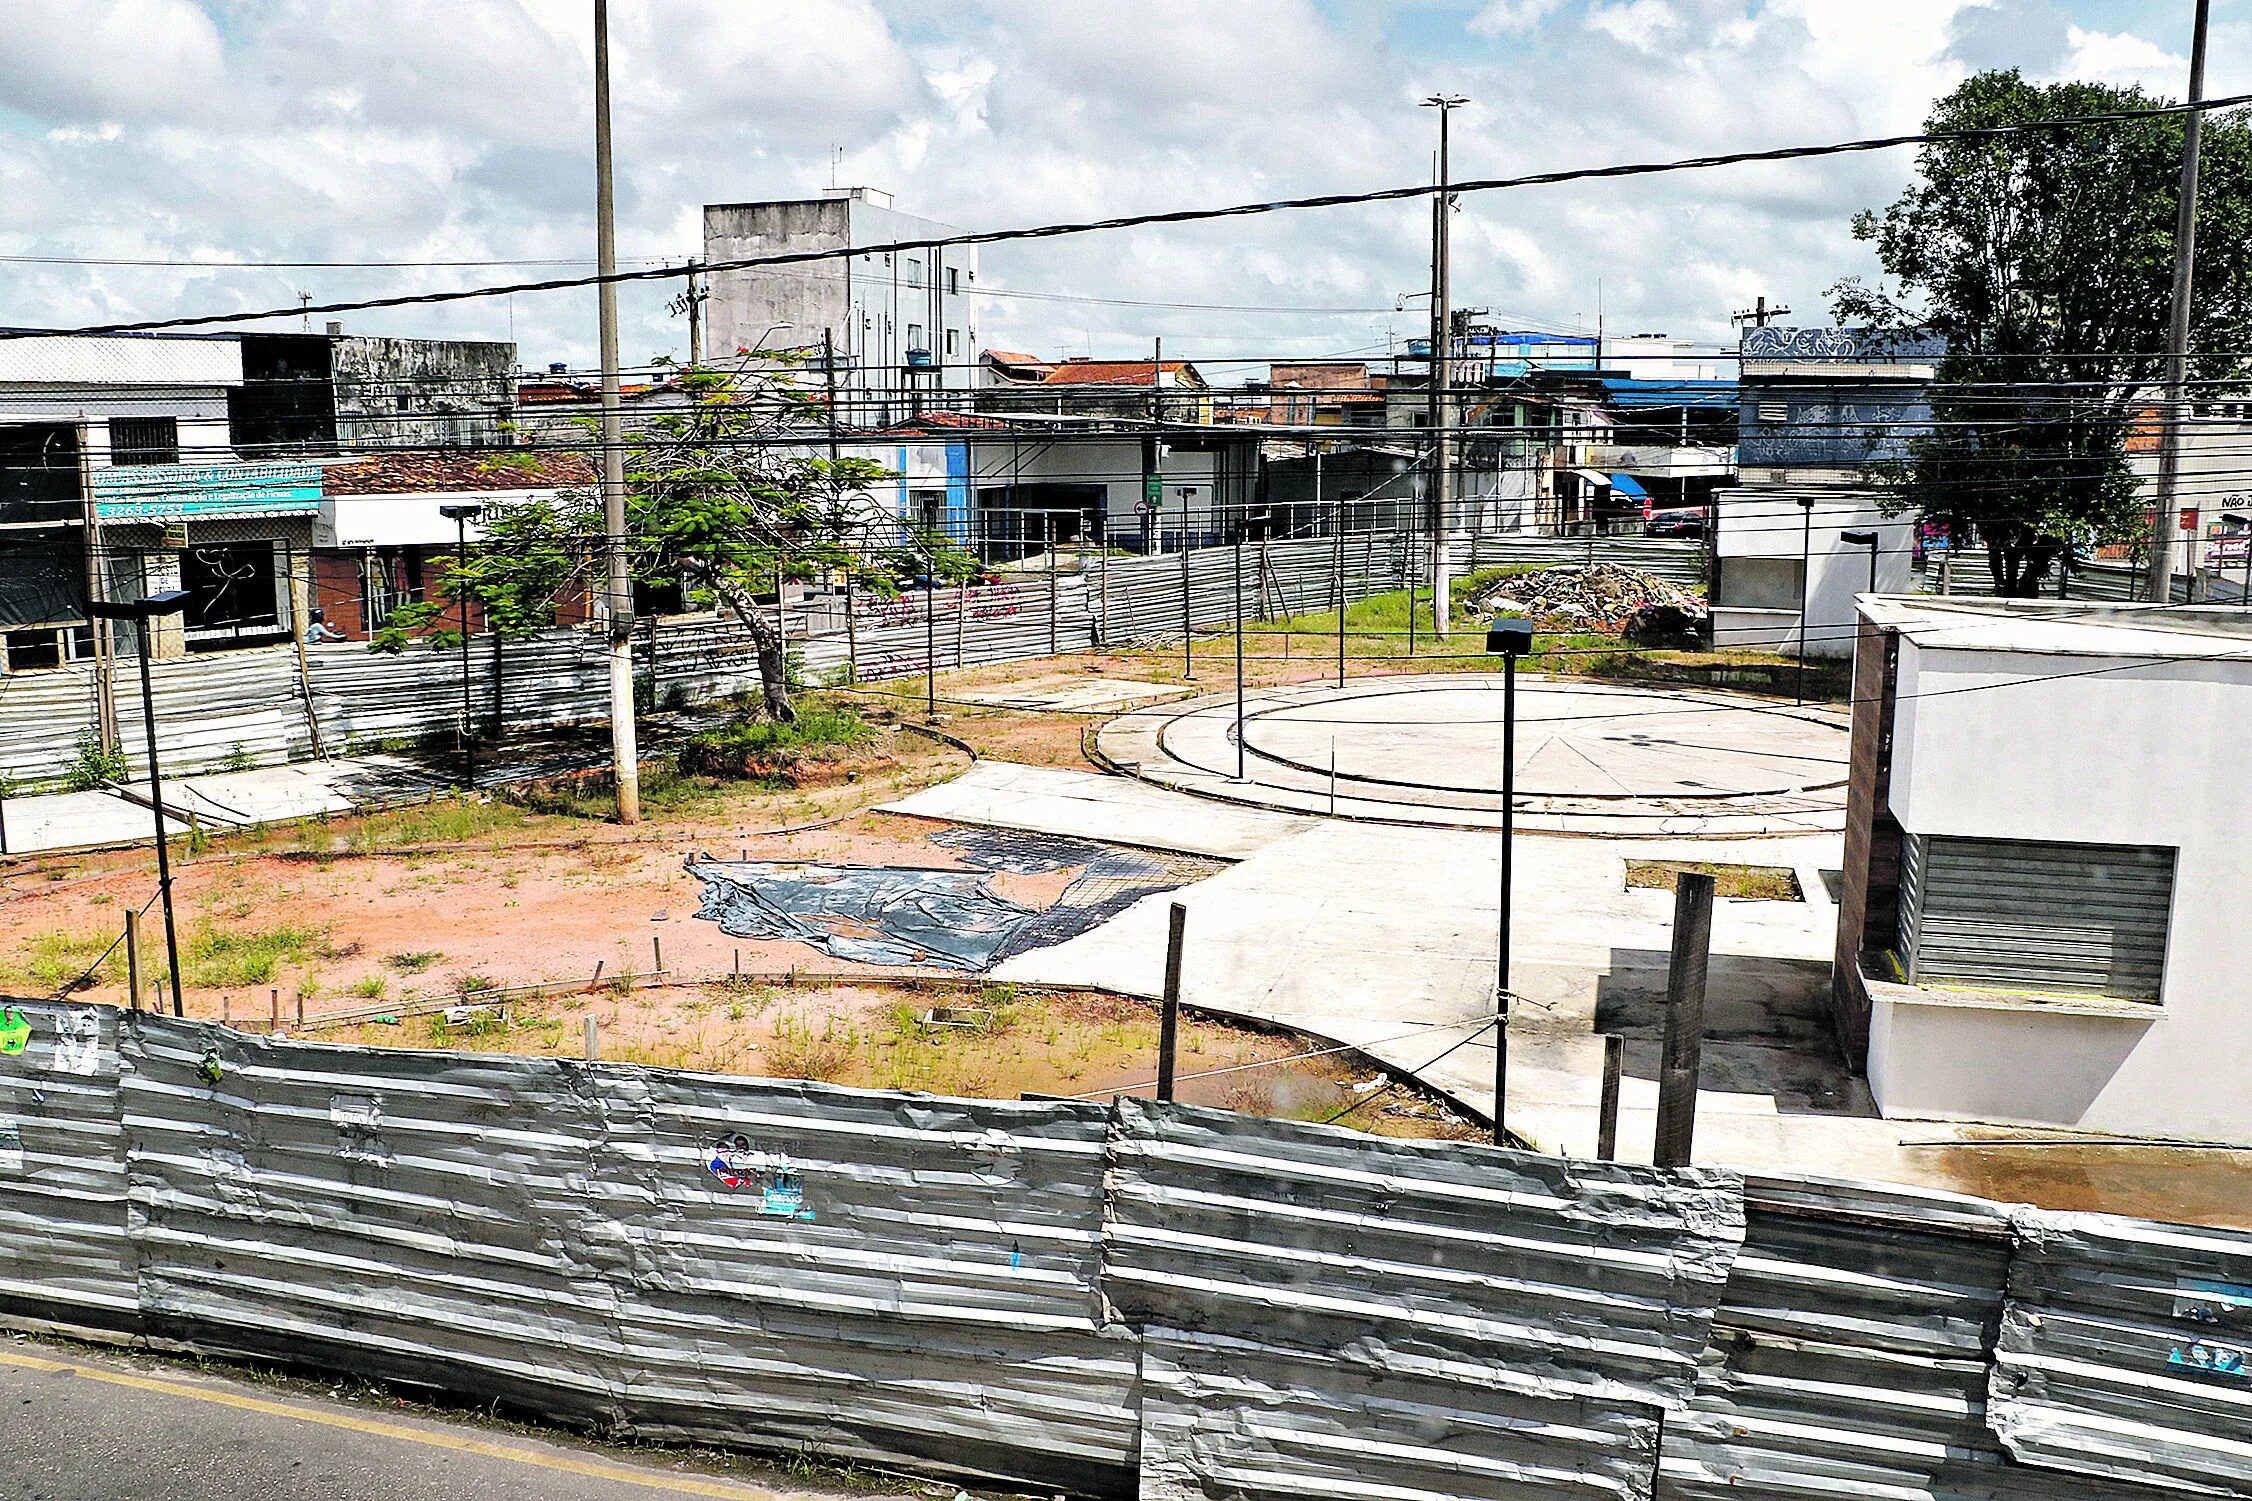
[[232, 593], [39, 473], [144, 440]]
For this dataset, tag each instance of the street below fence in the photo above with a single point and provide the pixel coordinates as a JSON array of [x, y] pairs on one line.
[[87, 1425]]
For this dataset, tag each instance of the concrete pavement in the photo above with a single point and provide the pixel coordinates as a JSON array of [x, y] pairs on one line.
[[1047, 800], [84, 1425]]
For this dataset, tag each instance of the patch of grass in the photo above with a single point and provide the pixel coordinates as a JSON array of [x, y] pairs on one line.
[[52, 959], [452, 821], [821, 731], [369, 987], [469, 982], [413, 961], [800, 1051], [1749, 883], [221, 956]]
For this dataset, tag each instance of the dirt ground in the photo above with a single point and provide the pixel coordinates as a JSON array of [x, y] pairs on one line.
[[1002, 1042]]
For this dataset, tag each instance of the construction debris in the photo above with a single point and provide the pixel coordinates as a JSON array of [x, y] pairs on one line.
[[1601, 597]]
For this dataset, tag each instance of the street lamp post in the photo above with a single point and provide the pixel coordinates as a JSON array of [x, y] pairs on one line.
[[1805, 585], [144, 613], [1866, 539], [459, 515], [1510, 638]]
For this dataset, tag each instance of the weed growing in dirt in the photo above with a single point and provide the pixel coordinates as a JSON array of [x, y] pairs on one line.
[[53, 959], [469, 982], [414, 961], [449, 822], [744, 996], [369, 987], [221, 956], [801, 1052]]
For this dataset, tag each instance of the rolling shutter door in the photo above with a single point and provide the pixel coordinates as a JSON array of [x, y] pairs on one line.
[[2015, 914]]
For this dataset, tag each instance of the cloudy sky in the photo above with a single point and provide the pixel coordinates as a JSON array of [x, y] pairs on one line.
[[460, 130]]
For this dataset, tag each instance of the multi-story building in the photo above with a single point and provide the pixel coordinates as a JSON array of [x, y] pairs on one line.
[[1818, 408], [902, 323]]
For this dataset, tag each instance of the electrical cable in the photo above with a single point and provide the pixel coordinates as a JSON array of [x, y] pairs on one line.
[[1192, 216]]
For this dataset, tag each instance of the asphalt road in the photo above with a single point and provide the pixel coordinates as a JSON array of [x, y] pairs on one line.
[[77, 1425]]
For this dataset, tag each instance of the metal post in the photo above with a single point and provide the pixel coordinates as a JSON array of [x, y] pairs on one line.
[[1169, 1017], [829, 380], [930, 632], [1188, 617], [1048, 549], [133, 958], [625, 755], [1340, 571], [461, 598], [1607, 1113], [1238, 561], [656, 954], [1508, 885], [1685, 1018], [147, 628], [2158, 581], [1805, 586]]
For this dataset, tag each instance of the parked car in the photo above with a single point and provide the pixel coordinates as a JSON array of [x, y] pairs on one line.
[[1681, 522]]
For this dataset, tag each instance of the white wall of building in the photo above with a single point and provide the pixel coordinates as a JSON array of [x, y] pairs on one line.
[[1774, 531], [2084, 749]]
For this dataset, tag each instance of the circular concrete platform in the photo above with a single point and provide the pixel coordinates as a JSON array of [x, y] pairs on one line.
[[1592, 758]]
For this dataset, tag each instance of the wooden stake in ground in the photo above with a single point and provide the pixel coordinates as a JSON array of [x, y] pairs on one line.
[[1685, 1018], [133, 957], [593, 1040], [1607, 1114], [1169, 1018]]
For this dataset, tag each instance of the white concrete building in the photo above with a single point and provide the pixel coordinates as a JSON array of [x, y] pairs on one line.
[[1778, 548], [903, 323], [2046, 855]]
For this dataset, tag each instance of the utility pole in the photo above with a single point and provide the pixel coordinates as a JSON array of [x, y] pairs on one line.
[[695, 314], [2165, 531], [1442, 377], [1758, 314], [625, 755]]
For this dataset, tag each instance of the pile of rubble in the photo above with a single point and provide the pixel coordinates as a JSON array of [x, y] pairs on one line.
[[1602, 597]]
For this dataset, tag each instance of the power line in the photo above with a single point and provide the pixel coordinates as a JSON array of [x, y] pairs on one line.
[[1196, 216]]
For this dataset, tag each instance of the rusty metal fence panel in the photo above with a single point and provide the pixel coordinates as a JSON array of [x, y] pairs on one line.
[[64, 1255], [1326, 1313], [2126, 1351]]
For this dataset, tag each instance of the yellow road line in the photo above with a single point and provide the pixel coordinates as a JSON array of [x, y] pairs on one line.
[[435, 1439]]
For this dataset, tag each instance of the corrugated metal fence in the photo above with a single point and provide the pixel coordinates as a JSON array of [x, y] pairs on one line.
[[235, 709], [1141, 1299]]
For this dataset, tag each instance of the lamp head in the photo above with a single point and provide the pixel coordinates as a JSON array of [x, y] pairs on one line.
[[461, 512], [1860, 539], [1509, 637]]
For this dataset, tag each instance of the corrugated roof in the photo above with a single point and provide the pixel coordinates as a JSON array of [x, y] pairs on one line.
[[1116, 372], [445, 470]]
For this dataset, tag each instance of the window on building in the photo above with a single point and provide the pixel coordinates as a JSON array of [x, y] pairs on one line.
[[953, 342], [914, 273], [1759, 583], [953, 280], [144, 440], [915, 336], [2014, 914]]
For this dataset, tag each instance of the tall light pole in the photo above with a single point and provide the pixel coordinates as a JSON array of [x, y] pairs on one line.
[[459, 515], [1805, 585], [1511, 638], [1442, 377], [2158, 576], [1868, 540], [625, 755], [144, 613]]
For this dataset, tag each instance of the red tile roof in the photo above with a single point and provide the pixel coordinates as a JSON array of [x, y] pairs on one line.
[[1077, 372], [440, 471], [931, 420]]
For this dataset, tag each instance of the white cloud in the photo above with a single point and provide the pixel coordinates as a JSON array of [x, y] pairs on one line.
[[2122, 59], [1507, 17], [311, 130]]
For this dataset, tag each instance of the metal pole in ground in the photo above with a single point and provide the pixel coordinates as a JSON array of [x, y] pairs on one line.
[[1048, 549], [133, 958], [1239, 646], [1805, 580], [1508, 882], [1169, 1017], [1607, 1114], [1340, 584], [1188, 614], [930, 632], [1685, 1018]]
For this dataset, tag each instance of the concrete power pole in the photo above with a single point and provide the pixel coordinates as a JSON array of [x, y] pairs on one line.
[[625, 756], [2165, 532], [1442, 377]]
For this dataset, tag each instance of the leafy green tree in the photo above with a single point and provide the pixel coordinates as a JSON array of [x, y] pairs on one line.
[[533, 553], [2046, 258], [730, 496]]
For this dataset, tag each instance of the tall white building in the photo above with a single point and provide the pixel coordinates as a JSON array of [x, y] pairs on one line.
[[903, 322]]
